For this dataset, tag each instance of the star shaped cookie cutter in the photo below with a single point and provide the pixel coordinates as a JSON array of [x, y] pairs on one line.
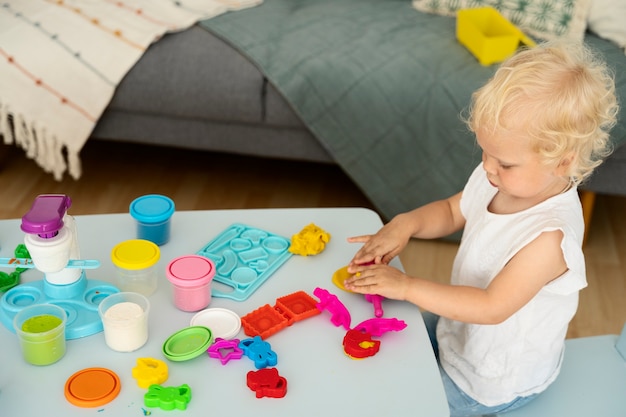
[[225, 350]]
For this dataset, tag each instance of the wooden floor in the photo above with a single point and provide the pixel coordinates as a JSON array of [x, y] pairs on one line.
[[114, 174]]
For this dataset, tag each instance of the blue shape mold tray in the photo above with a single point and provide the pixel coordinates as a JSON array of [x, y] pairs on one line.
[[245, 257]]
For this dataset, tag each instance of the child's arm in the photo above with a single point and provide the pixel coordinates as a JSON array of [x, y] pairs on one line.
[[437, 219], [535, 265]]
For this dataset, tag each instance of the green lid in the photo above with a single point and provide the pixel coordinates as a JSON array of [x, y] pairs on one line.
[[187, 343]]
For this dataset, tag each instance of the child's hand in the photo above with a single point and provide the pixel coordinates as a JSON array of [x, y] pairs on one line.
[[379, 279], [364, 256], [380, 248]]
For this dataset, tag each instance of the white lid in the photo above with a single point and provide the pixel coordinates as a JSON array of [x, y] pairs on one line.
[[223, 323]]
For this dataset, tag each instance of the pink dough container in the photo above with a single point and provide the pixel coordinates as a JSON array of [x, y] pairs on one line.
[[191, 277]]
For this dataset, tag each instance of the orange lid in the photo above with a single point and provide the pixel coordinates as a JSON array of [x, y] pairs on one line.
[[92, 387]]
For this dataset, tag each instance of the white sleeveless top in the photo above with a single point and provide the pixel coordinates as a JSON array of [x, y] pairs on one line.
[[494, 364]]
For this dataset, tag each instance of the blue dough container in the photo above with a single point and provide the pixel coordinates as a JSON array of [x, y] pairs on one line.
[[153, 214]]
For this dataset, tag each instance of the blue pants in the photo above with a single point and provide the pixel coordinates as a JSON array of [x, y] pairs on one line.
[[461, 404]]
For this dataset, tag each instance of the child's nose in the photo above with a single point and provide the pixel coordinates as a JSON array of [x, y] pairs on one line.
[[488, 164]]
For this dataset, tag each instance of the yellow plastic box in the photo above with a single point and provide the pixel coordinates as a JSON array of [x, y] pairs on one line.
[[488, 35]]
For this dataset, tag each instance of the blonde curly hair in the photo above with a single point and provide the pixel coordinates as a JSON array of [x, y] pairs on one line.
[[564, 97]]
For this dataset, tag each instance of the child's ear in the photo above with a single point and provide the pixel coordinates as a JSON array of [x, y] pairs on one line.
[[564, 168]]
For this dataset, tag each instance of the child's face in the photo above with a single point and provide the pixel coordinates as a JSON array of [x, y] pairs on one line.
[[516, 169]]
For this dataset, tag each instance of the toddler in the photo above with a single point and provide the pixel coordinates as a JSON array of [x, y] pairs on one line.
[[542, 124]]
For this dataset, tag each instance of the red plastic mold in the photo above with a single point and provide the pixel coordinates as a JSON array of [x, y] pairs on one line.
[[264, 322], [267, 383], [359, 345], [297, 306], [267, 320]]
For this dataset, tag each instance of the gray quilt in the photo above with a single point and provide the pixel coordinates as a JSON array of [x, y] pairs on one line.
[[380, 84]]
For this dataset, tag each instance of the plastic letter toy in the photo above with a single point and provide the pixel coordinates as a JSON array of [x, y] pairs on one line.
[[150, 371], [267, 383], [225, 350], [340, 316], [359, 345], [259, 351], [311, 240], [168, 398]]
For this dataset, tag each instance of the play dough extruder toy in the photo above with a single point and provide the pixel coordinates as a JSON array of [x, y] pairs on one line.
[[52, 242]]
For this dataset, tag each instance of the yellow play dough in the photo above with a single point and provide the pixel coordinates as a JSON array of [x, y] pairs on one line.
[[311, 240]]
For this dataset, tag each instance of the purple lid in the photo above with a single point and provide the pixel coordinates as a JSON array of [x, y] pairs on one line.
[[45, 217]]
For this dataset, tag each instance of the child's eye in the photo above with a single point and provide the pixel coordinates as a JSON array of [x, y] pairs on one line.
[[503, 166]]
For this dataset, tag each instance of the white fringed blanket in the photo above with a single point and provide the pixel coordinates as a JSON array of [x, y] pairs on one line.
[[61, 60]]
